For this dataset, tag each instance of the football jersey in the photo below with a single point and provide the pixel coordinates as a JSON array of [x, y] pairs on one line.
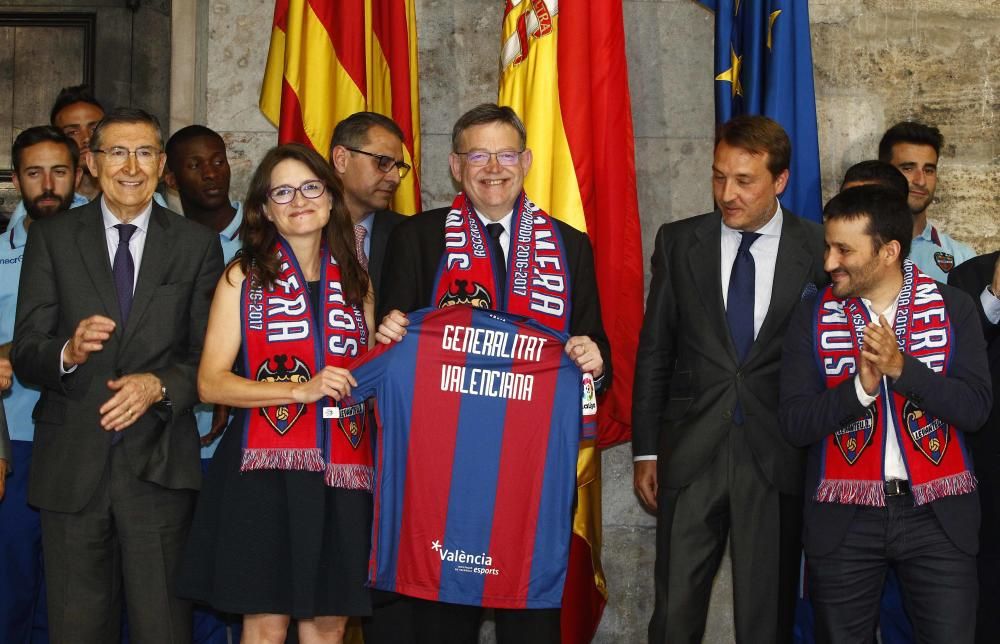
[[480, 418]]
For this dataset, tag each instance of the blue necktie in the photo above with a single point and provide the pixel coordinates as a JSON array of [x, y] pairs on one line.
[[123, 270], [739, 305]]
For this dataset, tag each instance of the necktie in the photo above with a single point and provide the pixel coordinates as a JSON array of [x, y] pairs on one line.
[[739, 305], [495, 230], [123, 270], [359, 244]]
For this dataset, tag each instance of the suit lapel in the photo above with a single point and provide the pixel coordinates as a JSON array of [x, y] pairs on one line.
[[704, 259], [93, 249], [379, 240], [791, 271], [155, 261]]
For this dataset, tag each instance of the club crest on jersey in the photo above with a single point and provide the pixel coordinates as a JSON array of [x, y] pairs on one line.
[[283, 417], [945, 261], [855, 437], [460, 293], [353, 422], [929, 434]]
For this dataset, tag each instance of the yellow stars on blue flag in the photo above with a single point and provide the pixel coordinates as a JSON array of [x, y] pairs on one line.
[[732, 75]]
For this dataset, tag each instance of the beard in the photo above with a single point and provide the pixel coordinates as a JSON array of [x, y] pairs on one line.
[[40, 212]]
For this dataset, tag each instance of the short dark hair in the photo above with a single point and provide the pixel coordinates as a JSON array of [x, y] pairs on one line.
[[186, 134], [909, 132], [352, 132], [130, 115], [874, 172], [73, 94], [41, 134], [888, 216], [488, 113], [758, 135]]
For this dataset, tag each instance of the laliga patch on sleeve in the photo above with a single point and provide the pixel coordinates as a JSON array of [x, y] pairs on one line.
[[589, 396], [331, 412]]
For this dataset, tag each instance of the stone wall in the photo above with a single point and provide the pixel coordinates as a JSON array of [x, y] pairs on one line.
[[876, 62]]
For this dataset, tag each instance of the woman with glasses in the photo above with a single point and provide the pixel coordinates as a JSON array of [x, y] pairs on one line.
[[282, 526]]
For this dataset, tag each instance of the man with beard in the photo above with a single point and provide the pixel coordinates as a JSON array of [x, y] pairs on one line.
[[198, 169], [367, 155], [76, 112], [883, 372], [46, 172], [914, 149]]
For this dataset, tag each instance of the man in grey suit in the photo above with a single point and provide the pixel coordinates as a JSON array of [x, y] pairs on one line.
[[709, 456], [111, 317], [367, 154]]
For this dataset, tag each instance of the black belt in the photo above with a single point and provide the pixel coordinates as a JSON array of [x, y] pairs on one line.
[[896, 487]]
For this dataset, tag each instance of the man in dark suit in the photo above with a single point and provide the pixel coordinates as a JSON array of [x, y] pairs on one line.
[[980, 278], [367, 154], [709, 458], [489, 159], [884, 407], [111, 316]]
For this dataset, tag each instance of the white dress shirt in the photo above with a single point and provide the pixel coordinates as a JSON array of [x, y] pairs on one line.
[[894, 467], [991, 305], [136, 244], [765, 256], [505, 235]]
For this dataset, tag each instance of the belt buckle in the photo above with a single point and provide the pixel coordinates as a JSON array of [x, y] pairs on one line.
[[896, 487]]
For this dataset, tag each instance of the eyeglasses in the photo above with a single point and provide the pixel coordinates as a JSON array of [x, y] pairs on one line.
[[284, 194], [482, 157], [385, 163], [118, 155]]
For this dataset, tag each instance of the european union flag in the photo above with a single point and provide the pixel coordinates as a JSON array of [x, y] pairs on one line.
[[763, 65]]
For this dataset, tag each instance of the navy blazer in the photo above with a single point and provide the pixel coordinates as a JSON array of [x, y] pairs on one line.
[[810, 412]]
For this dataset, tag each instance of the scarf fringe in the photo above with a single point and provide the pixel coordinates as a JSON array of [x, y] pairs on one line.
[[856, 492], [961, 483], [350, 476], [279, 458]]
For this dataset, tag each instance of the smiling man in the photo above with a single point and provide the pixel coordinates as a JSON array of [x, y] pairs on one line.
[[709, 459], [914, 149], [507, 241], [111, 315], [882, 374]]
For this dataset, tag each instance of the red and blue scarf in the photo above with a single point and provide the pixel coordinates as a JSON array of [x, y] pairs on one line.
[[281, 344], [854, 456], [538, 281]]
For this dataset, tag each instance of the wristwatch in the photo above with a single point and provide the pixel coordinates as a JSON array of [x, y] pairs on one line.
[[164, 398]]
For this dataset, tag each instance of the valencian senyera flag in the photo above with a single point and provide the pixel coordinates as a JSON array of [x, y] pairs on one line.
[[563, 70], [331, 58], [763, 65]]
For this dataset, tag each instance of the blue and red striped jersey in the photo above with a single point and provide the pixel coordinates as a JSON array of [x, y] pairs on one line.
[[480, 419]]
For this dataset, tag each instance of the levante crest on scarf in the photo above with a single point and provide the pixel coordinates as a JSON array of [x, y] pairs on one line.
[[282, 417], [929, 434], [852, 439]]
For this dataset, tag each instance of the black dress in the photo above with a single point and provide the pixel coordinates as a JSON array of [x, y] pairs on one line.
[[276, 541]]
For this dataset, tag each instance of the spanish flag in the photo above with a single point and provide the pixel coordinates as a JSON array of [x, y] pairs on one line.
[[331, 58], [563, 70]]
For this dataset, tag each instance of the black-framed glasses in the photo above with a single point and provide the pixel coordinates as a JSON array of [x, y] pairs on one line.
[[118, 155], [284, 194], [482, 157], [385, 164]]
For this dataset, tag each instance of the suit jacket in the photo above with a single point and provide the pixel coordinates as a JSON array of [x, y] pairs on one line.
[[414, 255], [810, 412], [382, 225], [66, 277], [688, 378]]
